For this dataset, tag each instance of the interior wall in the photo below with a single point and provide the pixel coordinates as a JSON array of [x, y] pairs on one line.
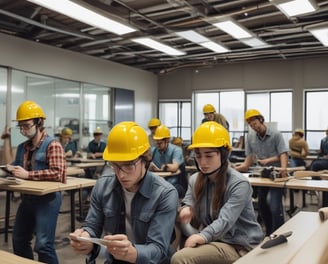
[[295, 74], [42, 59]]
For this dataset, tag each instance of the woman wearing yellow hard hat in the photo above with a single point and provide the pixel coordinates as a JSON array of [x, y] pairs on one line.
[[217, 213]]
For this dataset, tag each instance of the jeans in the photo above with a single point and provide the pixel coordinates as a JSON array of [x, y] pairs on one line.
[[270, 212], [37, 215], [317, 165]]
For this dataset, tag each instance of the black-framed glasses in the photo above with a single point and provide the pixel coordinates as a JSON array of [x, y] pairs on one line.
[[25, 126], [125, 167]]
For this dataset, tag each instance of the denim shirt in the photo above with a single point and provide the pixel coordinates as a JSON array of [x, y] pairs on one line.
[[236, 221], [153, 214]]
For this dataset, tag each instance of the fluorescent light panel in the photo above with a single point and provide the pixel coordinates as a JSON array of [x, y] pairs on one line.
[[197, 38], [254, 42], [296, 7], [321, 34], [84, 15], [233, 29], [153, 44]]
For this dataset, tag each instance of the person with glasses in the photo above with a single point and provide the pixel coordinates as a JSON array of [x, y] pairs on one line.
[[216, 213], [40, 158], [169, 158], [131, 209]]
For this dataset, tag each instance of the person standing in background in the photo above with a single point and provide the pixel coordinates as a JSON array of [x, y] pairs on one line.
[[39, 158], [298, 148], [152, 125], [211, 115], [268, 145]]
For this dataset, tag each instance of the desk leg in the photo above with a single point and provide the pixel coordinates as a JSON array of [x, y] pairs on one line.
[[72, 210], [7, 215], [80, 203]]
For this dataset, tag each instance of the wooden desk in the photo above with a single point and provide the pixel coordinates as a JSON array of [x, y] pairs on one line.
[[303, 225], [81, 160], [89, 164], [314, 250], [43, 187], [165, 174], [9, 258], [298, 184]]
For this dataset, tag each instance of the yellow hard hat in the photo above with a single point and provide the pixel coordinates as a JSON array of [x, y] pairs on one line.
[[210, 135], [177, 141], [29, 110], [98, 130], [208, 108], [252, 113], [126, 141], [161, 132], [66, 131], [299, 131], [154, 122]]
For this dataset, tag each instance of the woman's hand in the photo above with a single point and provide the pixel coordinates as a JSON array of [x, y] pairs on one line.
[[185, 215], [195, 240]]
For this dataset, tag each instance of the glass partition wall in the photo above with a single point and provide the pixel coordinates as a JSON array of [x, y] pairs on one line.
[[79, 106]]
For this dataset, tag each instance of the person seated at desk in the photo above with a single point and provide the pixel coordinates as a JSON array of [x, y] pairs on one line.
[[70, 147], [188, 158], [268, 146], [218, 204], [96, 146], [39, 158], [134, 208], [298, 148], [169, 158]]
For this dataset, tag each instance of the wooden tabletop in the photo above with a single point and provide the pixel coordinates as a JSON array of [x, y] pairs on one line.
[[9, 258], [82, 160], [303, 225], [299, 184], [89, 164], [45, 187]]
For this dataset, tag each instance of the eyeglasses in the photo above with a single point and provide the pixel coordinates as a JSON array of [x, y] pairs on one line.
[[25, 126], [125, 167]]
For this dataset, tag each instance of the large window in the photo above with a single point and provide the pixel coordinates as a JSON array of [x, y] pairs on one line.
[[176, 115], [3, 96], [316, 117], [79, 106], [276, 107], [229, 104]]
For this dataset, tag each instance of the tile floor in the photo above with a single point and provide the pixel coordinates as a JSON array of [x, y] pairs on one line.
[[66, 254]]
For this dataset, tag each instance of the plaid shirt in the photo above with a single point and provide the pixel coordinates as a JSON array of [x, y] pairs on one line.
[[55, 158]]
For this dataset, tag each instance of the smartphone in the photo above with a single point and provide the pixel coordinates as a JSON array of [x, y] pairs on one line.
[[98, 241], [4, 168]]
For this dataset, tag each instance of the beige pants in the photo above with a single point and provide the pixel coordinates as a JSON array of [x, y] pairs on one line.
[[212, 253]]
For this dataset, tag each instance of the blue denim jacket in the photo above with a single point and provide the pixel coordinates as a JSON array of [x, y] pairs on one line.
[[153, 214]]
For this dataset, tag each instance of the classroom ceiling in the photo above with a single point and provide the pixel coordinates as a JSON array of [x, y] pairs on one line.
[[288, 37]]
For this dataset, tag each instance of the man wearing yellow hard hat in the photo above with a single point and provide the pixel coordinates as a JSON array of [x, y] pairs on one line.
[[134, 210], [211, 115], [152, 125], [267, 148], [69, 146], [39, 158]]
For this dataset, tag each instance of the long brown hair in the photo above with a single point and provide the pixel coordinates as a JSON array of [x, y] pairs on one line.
[[219, 185]]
